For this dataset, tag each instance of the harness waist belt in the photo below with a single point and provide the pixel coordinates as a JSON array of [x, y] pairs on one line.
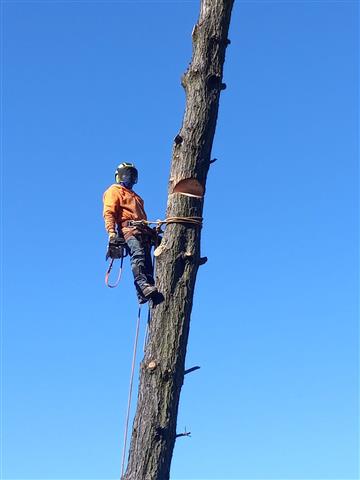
[[134, 223]]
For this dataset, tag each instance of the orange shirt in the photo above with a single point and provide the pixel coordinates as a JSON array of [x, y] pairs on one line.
[[120, 206]]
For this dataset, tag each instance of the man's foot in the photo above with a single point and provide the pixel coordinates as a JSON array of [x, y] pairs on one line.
[[142, 299], [149, 291]]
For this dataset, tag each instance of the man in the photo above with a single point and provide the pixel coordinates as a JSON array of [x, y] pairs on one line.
[[122, 206]]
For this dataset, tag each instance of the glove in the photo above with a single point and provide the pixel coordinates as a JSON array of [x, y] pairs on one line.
[[116, 247]]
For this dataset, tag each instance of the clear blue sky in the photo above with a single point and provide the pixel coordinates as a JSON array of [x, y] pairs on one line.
[[87, 85]]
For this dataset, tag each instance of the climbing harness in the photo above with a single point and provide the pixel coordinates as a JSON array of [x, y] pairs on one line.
[[130, 392]]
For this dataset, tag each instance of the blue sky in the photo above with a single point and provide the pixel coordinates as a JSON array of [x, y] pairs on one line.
[[87, 85]]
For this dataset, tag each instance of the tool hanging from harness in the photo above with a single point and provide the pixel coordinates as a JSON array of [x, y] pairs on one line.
[[117, 249]]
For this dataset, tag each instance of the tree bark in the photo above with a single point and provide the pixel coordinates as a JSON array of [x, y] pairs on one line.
[[162, 369]]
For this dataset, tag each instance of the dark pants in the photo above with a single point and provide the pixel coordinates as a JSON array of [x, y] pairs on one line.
[[140, 259]]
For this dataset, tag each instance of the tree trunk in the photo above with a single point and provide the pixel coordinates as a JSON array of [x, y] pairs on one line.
[[162, 369]]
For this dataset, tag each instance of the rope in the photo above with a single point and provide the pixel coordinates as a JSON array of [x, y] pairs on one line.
[[192, 220], [146, 336], [107, 275], [130, 392], [197, 221]]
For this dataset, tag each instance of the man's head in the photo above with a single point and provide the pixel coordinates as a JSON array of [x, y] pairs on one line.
[[126, 174]]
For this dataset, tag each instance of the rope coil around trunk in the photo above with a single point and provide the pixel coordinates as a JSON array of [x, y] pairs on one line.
[[192, 220]]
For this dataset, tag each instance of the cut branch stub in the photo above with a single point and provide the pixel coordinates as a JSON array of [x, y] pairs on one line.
[[151, 365], [202, 260], [178, 139], [185, 434], [192, 369]]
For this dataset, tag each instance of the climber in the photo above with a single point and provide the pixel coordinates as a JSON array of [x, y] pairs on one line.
[[122, 206]]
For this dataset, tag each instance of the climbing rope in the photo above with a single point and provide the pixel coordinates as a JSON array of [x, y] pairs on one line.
[[130, 392], [197, 221], [146, 336], [192, 220]]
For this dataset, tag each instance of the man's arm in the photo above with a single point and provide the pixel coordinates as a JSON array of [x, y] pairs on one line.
[[110, 200]]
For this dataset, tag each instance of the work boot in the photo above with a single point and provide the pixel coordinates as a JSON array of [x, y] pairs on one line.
[[149, 291], [142, 299]]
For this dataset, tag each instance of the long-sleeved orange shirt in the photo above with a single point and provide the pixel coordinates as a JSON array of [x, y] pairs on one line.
[[120, 206]]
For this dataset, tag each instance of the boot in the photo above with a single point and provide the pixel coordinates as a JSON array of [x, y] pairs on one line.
[[149, 291]]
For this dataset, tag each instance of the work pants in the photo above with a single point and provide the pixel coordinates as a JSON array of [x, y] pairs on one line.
[[140, 259]]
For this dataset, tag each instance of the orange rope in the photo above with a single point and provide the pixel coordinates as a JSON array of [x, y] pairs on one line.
[[107, 275]]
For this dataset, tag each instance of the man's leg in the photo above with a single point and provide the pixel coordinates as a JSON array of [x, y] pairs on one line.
[[141, 266], [149, 268]]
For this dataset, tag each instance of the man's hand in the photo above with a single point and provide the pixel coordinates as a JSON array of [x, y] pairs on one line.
[[116, 247]]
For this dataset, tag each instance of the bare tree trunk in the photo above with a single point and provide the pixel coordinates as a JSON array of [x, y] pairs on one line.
[[162, 370]]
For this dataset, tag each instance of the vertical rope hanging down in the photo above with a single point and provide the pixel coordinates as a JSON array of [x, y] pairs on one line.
[[130, 392], [146, 336]]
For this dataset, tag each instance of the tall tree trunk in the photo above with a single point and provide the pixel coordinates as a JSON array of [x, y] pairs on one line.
[[162, 369]]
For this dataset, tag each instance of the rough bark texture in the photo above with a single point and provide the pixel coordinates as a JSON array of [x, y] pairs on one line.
[[162, 369]]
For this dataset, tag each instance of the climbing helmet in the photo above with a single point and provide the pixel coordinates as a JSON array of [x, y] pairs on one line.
[[127, 173]]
